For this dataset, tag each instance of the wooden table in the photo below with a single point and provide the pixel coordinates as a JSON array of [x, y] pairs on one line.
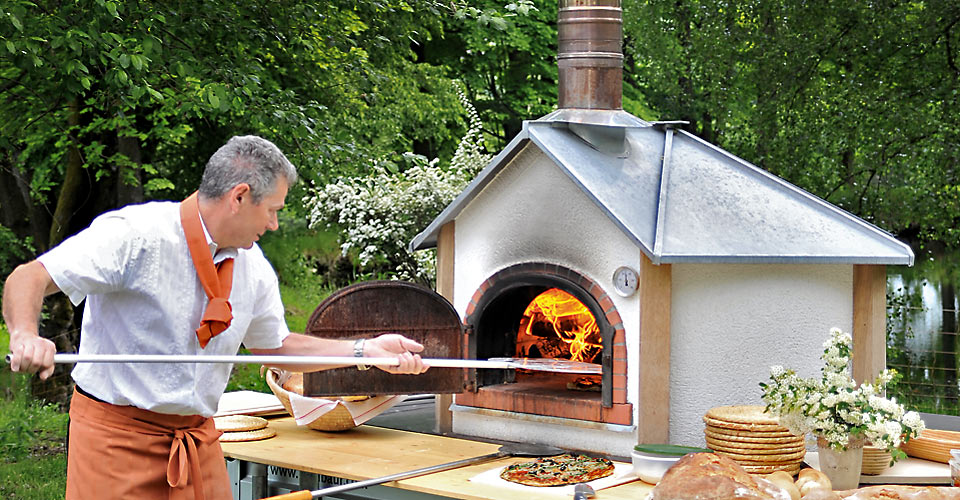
[[369, 452]]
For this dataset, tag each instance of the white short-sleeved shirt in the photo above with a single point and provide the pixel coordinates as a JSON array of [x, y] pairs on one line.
[[143, 296]]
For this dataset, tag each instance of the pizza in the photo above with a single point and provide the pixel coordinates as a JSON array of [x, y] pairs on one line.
[[558, 470]]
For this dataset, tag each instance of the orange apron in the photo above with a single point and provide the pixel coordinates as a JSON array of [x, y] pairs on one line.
[[121, 452]]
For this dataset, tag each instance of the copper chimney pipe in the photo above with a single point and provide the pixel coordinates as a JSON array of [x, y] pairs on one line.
[[590, 58]]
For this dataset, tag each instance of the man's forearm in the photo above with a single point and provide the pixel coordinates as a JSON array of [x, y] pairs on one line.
[[23, 295]]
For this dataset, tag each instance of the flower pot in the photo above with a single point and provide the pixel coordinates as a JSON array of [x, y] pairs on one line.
[[842, 467]]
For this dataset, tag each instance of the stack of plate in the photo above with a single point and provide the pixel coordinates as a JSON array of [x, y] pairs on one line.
[[754, 439], [243, 428], [875, 460]]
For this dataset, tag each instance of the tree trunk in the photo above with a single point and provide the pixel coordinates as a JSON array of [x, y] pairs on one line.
[[73, 184], [19, 212]]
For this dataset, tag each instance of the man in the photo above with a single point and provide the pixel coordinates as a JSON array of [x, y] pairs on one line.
[[170, 278]]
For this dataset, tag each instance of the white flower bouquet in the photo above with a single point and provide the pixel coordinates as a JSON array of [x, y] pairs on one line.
[[834, 408]]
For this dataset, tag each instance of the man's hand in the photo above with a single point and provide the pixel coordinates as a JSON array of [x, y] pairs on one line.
[[31, 354], [391, 345]]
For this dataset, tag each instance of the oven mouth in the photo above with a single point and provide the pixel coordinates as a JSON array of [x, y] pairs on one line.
[[496, 323]]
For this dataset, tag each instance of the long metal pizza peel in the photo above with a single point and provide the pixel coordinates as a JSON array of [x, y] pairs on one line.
[[507, 450], [535, 364]]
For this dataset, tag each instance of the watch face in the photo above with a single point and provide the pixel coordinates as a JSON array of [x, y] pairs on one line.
[[625, 281]]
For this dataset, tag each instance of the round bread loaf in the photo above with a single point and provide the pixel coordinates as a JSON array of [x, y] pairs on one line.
[[707, 475], [294, 383]]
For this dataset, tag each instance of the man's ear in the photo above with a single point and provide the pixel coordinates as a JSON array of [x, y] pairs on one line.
[[238, 194]]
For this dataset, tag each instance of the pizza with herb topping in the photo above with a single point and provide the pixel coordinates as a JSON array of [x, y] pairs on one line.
[[558, 470]]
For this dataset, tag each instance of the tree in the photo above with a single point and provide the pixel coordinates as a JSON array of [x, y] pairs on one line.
[[106, 103], [853, 102]]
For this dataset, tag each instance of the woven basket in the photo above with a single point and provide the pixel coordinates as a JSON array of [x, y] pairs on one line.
[[875, 460], [933, 444], [337, 419]]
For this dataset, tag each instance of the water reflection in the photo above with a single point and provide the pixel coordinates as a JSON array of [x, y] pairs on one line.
[[922, 331]]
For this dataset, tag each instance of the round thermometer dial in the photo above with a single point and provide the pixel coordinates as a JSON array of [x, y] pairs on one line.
[[625, 281]]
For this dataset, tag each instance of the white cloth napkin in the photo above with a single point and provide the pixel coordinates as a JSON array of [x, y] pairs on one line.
[[307, 409]]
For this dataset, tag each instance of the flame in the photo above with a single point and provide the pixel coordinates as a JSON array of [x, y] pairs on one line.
[[570, 320]]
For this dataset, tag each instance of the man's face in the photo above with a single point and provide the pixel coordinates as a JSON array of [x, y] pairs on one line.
[[254, 219]]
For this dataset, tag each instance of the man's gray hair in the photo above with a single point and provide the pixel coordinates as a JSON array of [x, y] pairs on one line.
[[246, 159]]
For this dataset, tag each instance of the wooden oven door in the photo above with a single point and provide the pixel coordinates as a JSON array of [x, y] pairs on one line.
[[365, 310]]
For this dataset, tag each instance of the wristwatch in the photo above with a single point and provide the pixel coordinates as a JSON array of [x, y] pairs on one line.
[[358, 353]]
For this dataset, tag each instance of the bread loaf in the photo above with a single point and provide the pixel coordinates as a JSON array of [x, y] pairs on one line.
[[707, 475], [901, 492], [811, 479], [785, 481], [294, 383]]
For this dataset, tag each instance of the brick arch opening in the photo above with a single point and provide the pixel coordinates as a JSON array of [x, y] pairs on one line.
[[491, 316]]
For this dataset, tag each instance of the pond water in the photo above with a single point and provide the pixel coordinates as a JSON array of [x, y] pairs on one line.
[[922, 331]]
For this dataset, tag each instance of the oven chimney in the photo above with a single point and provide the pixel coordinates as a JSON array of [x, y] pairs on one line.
[[590, 58]]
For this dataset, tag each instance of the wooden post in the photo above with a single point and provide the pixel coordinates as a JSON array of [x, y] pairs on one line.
[[869, 321], [445, 255], [655, 288]]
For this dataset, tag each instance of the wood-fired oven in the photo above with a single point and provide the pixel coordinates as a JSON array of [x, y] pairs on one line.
[[698, 269]]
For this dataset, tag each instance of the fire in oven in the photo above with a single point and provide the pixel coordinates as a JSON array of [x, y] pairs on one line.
[[540, 316]]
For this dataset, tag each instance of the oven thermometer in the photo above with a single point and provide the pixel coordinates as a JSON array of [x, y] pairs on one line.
[[625, 281]]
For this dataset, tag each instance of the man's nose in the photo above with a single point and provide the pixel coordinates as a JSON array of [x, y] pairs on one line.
[[273, 224]]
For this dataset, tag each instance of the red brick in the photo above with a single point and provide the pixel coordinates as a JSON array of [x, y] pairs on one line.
[[619, 414]]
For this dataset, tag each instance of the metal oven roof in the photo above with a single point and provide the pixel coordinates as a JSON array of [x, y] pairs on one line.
[[684, 200]]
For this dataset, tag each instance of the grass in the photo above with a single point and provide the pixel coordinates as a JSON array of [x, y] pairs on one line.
[[33, 461]]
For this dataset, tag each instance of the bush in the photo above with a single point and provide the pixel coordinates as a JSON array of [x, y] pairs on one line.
[[380, 213]]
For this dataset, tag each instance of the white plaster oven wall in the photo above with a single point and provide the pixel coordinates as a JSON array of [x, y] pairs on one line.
[[531, 210], [731, 322]]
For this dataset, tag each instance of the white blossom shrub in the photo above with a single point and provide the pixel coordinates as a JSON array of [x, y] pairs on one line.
[[834, 408], [380, 213]]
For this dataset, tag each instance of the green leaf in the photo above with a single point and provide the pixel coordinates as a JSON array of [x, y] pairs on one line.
[[112, 9], [213, 99], [124, 61], [16, 21], [10, 47], [85, 81], [158, 185]]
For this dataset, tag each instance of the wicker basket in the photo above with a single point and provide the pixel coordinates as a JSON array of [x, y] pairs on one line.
[[875, 460], [933, 444], [337, 419]]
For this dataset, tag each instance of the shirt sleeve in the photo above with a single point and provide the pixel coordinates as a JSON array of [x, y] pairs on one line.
[[268, 327], [95, 260]]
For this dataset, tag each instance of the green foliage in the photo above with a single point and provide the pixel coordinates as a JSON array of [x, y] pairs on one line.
[[28, 427], [854, 102], [509, 72], [380, 213], [13, 251]]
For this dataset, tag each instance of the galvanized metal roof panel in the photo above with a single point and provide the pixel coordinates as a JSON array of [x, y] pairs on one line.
[[684, 200]]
